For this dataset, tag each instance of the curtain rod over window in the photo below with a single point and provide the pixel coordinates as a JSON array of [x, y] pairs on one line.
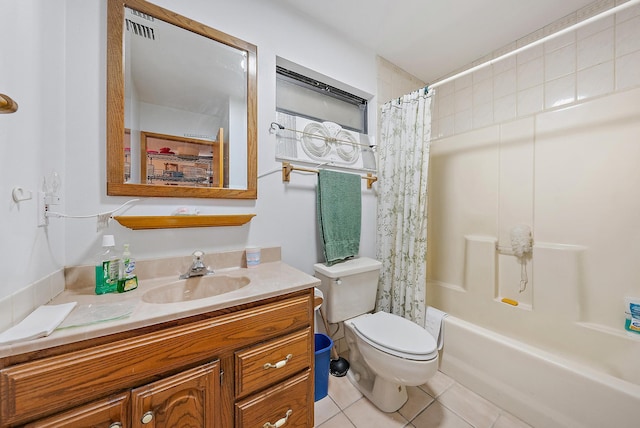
[[573, 27]]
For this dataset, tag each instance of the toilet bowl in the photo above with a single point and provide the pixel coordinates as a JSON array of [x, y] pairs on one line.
[[387, 353]]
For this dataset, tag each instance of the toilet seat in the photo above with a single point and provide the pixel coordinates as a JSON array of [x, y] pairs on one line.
[[381, 329]]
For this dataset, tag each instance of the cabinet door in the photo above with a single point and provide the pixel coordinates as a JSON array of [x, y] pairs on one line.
[[188, 399], [112, 412]]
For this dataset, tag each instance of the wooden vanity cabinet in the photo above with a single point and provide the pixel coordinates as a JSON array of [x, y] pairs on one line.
[[221, 369]]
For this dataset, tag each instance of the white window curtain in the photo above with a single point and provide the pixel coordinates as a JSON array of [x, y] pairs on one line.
[[403, 165]]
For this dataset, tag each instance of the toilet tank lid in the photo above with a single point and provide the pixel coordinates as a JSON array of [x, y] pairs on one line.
[[348, 267]]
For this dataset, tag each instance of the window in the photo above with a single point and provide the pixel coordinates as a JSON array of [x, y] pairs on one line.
[[300, 95]]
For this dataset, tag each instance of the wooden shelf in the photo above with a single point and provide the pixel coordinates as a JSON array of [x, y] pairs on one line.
[[177, 221]]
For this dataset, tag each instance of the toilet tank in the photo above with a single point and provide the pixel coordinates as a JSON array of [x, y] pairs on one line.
[[349, 287]]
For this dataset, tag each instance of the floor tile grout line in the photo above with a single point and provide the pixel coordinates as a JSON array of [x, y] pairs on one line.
[[465, 419]]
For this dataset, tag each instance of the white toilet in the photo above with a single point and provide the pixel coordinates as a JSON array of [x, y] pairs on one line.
[[386, 352]]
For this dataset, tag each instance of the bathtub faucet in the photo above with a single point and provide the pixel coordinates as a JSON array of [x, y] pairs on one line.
[[197, 267]]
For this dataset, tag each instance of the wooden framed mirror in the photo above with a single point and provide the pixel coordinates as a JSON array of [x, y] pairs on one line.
[[189, 86]]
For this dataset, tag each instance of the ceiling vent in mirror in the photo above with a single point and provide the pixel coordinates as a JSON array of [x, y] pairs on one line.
[[140, 30]]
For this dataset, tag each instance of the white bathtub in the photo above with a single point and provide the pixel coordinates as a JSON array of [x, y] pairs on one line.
[[541, 389]]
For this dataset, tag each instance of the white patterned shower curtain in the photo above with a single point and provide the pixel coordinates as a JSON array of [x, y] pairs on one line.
[[403, 165]]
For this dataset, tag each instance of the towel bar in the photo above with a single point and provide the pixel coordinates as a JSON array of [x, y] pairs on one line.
[[287, 168]]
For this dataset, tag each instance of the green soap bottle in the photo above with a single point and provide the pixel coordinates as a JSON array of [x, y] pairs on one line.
[[107, 268]]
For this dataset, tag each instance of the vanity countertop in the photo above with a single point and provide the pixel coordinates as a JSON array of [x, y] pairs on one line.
[[267, 280]]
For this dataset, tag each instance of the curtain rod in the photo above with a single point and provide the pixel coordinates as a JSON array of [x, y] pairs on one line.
[[573, 27], [275, 127]]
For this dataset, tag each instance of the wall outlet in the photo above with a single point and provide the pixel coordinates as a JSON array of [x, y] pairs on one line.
[[53, 200], [43, 207]]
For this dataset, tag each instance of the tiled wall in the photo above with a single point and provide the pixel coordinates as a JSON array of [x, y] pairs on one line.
[[597, 59], [394, 82], [21, 303]]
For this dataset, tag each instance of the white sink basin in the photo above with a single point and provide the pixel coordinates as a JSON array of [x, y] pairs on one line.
[[200, 287]]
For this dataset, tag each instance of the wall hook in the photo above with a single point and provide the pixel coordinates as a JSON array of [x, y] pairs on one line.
[[19, 194]]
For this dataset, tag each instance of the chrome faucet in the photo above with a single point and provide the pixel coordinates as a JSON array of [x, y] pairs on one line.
[[197, 267]]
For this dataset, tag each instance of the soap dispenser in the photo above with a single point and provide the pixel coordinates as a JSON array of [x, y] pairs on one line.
[[128, 280]]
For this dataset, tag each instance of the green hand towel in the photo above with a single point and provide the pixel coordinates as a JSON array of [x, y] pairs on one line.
[[339, 210]]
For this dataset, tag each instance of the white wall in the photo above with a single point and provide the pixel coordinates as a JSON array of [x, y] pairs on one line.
[[548, 139], [32, 141], [57, 74]]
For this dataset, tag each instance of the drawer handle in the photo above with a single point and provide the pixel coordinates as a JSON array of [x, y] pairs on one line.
[[280, 422], [279, 364], [116, 425], [147, 417]]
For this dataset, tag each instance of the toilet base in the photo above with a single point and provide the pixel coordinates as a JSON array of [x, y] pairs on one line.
[[386, 395]]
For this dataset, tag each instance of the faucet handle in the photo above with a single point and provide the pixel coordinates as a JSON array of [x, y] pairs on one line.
[[197, 255]]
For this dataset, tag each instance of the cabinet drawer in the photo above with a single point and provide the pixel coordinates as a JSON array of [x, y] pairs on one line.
[[109, 412], [270, 362], [50, 385], [289, 399]]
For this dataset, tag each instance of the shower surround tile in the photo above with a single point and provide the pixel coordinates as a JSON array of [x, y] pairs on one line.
[[530, 101], [595, 49], [505, 83], [595, 81], [627, 67], [483, 92], [504, 108], [560, 62], [530, 73], [595, 27], [560, 91], [628, 36], [463, 121], [483, 115]]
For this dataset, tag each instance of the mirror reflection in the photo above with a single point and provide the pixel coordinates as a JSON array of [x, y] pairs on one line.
[[188, 101]]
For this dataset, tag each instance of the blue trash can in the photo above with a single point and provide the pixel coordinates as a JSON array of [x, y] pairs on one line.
[[323, 344]]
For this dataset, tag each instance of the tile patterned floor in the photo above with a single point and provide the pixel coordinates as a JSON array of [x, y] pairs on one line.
[[441, 403]]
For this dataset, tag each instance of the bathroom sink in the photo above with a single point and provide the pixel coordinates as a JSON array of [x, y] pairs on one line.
[[195, 288]]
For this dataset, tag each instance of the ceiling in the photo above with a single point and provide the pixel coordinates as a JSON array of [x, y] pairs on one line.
[[432, 38]]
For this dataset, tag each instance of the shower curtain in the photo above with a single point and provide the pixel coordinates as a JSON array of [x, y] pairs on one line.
[[403, 165]]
